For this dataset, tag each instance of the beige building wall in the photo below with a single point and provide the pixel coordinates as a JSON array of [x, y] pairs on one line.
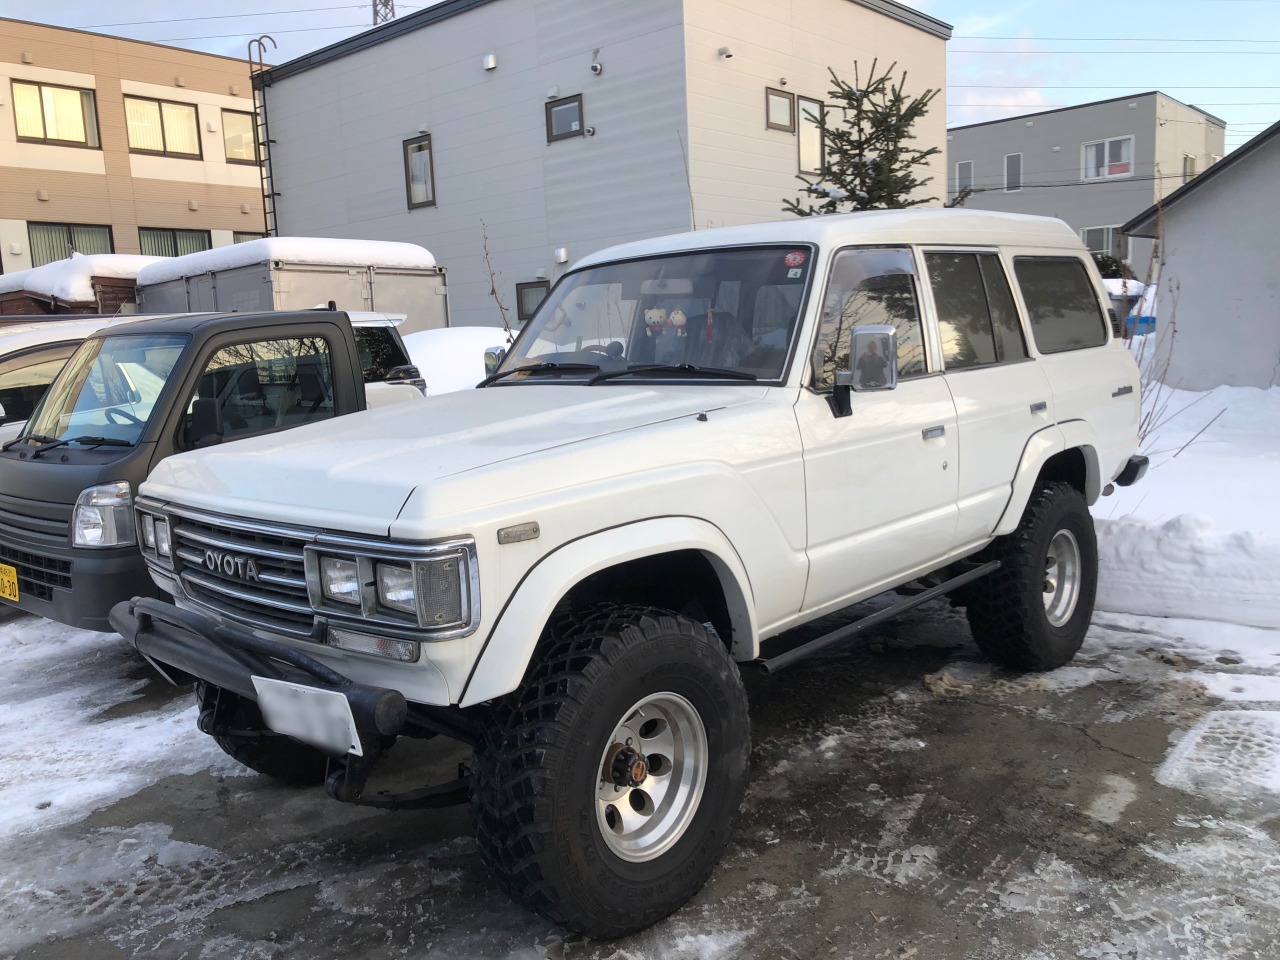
[[110, 185], [740, 170]]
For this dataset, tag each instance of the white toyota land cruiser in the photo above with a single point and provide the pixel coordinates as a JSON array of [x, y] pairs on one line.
[[698, 443]]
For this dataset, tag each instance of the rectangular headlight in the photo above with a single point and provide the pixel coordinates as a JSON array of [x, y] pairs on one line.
[[340, 580], [395, 587], [163, 545], [149, 531]]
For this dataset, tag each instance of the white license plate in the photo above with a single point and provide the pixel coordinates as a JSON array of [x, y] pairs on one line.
[[321, 718]]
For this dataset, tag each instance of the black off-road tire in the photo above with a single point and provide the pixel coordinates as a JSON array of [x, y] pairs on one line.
[[1006, 609], [281, 758], [538, 768]]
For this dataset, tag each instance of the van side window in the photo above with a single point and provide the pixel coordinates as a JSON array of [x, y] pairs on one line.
[[380, 352], [977, 318], [267, 384], [1061, 303], [869, 286]]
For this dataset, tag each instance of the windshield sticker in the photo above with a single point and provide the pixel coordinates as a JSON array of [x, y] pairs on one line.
[[795, 273], [795, 259]]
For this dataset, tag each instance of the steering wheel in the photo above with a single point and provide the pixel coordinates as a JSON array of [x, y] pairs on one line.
[[594, 348], [125, 416]]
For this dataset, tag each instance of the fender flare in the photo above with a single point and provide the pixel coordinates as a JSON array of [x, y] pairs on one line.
[[505, 655], [1043, 445]]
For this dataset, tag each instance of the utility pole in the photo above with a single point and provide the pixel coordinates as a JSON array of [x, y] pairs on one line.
[[383, 11]]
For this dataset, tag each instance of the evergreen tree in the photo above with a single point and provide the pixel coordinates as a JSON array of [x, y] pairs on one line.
[[868, 160]]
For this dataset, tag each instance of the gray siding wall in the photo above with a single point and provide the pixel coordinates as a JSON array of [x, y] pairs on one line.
[[1218, 285], [1052, 148], [339, 129]]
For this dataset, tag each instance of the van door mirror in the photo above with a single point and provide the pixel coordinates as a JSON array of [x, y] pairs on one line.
[[493, 357], [205, 428], [873, 358]]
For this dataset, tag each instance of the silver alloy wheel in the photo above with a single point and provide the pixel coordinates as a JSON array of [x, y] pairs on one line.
[[1061, 577], [642, 821]]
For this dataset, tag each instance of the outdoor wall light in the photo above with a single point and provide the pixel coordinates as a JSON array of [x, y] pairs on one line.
[[490, 61], [725, 53]]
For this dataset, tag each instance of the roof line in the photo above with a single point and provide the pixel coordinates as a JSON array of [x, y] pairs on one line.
[[1148, 218], [452, 8], [1081, 106], [112, 36]]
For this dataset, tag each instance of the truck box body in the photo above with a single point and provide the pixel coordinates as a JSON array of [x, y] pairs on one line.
[[301, 273]]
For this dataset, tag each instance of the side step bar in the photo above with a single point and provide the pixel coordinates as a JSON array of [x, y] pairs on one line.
[[783, 660]]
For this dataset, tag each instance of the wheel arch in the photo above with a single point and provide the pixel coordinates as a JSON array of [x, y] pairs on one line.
[[660, 561], [1068, 452]]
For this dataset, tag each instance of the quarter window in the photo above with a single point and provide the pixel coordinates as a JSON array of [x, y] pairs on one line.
[[1013, 172], [239, 137], [977, 319], [45, 113], [1061, 303], [419, 172], [1104, 159], [779, 110], [56, 241], [160, 127], [564, 118], [869, 286]]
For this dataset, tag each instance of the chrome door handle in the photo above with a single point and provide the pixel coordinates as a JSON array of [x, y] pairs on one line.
[[1040, 407], [933, 433]]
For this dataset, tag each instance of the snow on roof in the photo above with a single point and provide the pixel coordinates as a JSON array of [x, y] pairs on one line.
[[320, 250], [71, 280]]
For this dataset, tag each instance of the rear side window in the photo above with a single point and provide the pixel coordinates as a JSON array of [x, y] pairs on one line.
[[1061, 304], [977, 318], [380, 352]]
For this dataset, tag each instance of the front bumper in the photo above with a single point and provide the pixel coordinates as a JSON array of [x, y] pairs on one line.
[[75, 586]]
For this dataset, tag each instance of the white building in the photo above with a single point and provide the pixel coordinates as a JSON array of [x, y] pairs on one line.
[[1218, 307], [568, 125]]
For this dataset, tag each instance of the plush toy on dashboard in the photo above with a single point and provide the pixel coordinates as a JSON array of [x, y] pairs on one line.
[[655, 320], [677, 321]]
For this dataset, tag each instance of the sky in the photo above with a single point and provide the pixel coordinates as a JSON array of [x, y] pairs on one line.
[[1007, 57]]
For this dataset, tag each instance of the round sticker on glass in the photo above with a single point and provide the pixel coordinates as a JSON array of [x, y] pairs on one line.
[[795, 259]]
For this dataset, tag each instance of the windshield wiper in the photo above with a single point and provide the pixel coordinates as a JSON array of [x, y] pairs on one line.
[[37, 437], [539, 368], [51, 444], [679, 368]]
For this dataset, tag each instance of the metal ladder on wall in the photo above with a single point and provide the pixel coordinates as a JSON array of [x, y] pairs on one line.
[[260, 81]]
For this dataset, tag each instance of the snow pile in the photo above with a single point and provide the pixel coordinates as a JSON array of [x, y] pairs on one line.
[[453, 358], [1198, 537], [71, 280], [1124, 288], [319, 250]]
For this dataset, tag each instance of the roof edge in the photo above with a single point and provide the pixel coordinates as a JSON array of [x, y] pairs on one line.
[[1081, 106], [909, 16], [112, 36], [1146, 223]]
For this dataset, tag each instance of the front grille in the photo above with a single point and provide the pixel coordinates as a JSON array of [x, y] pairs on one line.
[[211, 559], [37, 575], [34, 520]]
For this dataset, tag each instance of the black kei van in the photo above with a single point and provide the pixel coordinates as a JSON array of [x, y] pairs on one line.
[[135, 393]]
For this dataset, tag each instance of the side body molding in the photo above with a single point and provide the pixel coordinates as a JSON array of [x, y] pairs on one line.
[[511, 642]]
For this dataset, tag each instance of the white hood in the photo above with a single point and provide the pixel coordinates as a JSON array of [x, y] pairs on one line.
[[356, 473]]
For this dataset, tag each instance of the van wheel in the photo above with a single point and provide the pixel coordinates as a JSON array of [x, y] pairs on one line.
[[1032, 613], [606, 788], [279, 757]]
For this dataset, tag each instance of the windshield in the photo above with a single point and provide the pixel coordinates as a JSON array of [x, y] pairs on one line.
[[108, 388], [731, 312]]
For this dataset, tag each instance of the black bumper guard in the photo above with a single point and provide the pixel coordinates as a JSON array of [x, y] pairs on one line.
[[185, 647]]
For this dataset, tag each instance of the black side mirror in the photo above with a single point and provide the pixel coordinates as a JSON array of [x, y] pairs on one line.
[[407, 373], [205, 429]]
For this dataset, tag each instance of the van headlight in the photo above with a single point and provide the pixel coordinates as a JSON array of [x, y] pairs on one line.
[[103, 516]]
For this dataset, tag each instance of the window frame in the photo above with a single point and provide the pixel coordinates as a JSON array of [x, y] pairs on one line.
[[246, 236], [1189, 160], [560, 102], [1021, 178], [405, 147], [1106, 142], [173, 232], [960, 186], [997, 343], [544, 285], [822, 146], [164, 135], [253, 119], [51, 141], [111, 238], [769, 94], [1111, 236]]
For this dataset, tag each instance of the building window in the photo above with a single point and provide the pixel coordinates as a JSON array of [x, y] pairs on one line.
[[56, 241], [1104, 159], [419, 172], [239, 137], [811, 152], [528, 298], [964, 176], [163, 128], [1188, 167], [45, 113], [162, 242], [779, 110], [241, 236], [1012, 172], [1106, 240], [564, 118]]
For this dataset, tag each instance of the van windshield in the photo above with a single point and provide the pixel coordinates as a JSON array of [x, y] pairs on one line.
[[108, 388]]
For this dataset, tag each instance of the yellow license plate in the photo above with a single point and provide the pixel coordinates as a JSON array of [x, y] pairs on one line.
[[8, 583]]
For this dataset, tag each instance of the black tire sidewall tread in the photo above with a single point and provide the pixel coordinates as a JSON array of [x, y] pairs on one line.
[[533, 804], [278, 757], [1006, 609]]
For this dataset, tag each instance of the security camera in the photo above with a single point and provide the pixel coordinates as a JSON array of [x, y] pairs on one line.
[[597, 68]]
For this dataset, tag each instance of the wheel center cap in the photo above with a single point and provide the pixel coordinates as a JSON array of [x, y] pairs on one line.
[[626, 766]]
